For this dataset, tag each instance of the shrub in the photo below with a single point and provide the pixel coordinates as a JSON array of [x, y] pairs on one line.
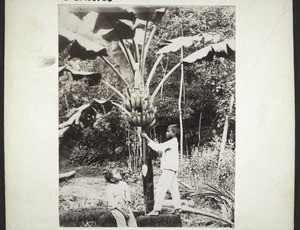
[[227, 169], [201, 166]]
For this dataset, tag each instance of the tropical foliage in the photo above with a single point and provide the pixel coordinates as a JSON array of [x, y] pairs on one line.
[[119, 72]]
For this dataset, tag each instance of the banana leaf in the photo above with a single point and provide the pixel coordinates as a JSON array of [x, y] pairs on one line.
[[115, 13], [79, 47], [149, 13], [85, 115], [121, 31], [223, 49], [117, 23], [75, 117], [102, 106], [108, 19], [175, 44], [93, 78]]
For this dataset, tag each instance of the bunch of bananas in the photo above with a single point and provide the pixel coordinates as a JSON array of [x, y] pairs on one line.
[[145, 118], [142, 110]]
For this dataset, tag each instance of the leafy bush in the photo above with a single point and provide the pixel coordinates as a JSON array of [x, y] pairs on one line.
[[106, 140], [227, 169], [203, 165]]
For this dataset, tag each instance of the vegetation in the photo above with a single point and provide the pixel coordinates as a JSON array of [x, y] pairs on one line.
[[198, 96]]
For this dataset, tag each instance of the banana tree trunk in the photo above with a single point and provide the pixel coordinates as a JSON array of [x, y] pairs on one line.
[[148, 185], [129, 151]]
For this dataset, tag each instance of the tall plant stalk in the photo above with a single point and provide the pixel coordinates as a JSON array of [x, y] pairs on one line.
[[199, 129], [163, 80], [153, 71], [115, 70], [179, 106], [67, 103], [224, 136], [143, 58]]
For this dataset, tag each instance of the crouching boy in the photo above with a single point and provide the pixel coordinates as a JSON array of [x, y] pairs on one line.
[[118, 196]]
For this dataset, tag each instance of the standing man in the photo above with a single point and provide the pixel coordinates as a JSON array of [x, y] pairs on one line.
[[169, 166]]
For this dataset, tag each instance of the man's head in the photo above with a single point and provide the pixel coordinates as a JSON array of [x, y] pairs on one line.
[[112, 176], [172, 131]]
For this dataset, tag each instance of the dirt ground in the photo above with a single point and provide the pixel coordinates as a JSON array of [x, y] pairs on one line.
[[87, 190]]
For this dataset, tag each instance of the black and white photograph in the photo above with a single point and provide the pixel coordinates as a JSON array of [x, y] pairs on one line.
[[161, 114], [146, 116]]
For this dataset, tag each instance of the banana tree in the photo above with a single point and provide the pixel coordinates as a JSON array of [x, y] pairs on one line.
[[131, 31]]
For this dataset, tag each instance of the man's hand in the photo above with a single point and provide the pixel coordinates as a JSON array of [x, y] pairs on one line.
[[143, 134]]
